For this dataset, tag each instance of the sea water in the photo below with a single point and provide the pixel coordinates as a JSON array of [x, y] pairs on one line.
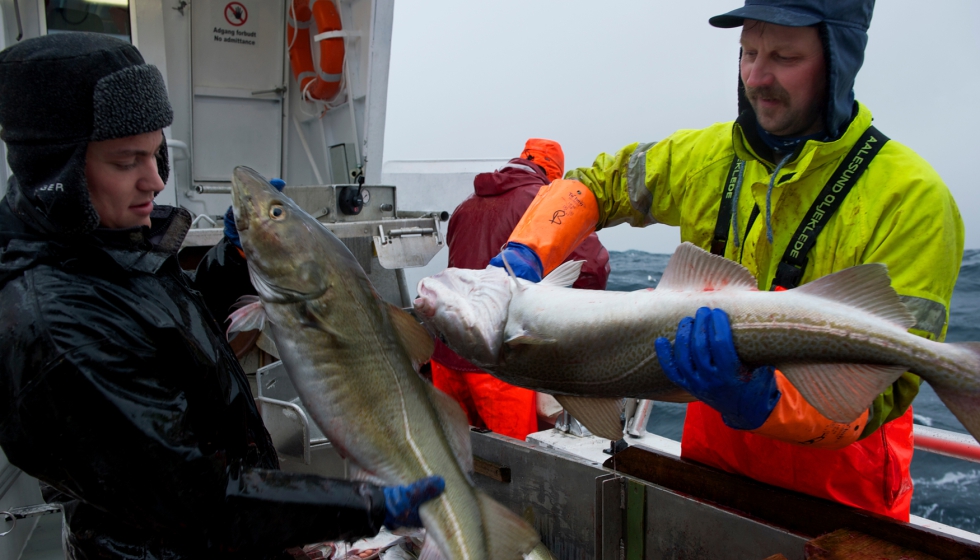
[[946, 490]]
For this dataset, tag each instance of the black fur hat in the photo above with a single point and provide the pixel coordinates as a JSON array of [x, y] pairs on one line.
[[58, 93]]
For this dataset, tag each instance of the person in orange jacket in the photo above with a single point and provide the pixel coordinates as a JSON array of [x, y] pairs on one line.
[[478, 228]]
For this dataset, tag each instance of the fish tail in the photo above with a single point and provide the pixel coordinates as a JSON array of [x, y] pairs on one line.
[[963, 398], [507, 535]]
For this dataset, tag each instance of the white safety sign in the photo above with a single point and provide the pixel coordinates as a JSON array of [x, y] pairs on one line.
[[234, 30]]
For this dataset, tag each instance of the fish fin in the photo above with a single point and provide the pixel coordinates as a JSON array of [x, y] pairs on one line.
[[540, 552], [414, 338], [245, 300], [692, 269], [515, 286], [249, 317], [361, 475], [841, 392], [267, 344], [528, 337], [603, 417], [454, 425], [964, 402], [866, 287], [430, 550], [675, 396], [563, 276], [508, 535]]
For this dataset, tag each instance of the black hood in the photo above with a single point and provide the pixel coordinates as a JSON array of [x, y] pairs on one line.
[[58, 93]]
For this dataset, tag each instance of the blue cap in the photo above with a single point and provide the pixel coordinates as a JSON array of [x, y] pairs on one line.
[[844, 33], [800, 13]]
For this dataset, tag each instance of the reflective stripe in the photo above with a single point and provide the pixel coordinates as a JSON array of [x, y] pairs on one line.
[[298, 24], [328, 77], [338, 34], [641, 199], [930, 316], [304, 75]]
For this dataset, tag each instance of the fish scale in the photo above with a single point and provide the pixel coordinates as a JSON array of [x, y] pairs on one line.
[[351, 356], [841, 339], [322, 379]]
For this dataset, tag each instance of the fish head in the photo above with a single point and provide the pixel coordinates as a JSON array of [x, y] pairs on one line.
[[282, 243], [469, 309]]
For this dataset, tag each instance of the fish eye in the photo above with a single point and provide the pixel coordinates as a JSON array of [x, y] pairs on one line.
[[277, 212]]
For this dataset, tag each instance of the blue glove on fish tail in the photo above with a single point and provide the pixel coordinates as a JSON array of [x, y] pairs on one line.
[[402, 502], [522, 260], [703, 362], [231, 231]]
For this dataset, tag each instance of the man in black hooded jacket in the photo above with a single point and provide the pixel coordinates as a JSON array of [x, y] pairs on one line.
[[117, 387]]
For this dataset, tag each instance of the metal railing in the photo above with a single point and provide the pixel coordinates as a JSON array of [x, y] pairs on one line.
[[944, 442]]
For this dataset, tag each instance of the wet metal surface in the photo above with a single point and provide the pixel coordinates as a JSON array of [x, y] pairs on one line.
[[681, 527], [583, 510], [554, 492]]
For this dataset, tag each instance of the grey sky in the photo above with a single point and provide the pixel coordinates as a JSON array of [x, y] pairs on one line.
[[475, 79]]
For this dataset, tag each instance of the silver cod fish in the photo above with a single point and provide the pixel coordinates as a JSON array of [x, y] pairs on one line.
[[352, 358], [840, 339]]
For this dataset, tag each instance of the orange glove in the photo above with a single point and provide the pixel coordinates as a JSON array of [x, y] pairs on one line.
[[560, 217], [795, 421]]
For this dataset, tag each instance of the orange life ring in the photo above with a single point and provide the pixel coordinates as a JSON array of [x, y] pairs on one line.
[[321, 83]]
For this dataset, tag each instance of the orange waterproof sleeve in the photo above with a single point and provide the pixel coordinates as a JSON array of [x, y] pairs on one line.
[[560, 217], [795, 421]]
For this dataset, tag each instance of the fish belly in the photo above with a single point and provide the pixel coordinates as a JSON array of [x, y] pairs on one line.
[[373, 407], [602, 344]]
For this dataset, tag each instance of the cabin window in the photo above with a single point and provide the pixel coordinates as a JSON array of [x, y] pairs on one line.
[[94, 16]]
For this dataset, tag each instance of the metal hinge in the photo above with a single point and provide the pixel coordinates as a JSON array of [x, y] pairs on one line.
[[622, 493], [12, 515], [278, 91]]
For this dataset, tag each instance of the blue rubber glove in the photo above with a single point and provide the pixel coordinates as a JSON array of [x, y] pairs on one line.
[[522, 260], [703, 361], [402, 502], [231, 231]]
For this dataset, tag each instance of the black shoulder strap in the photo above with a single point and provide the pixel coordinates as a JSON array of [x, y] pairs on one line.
[[793, 263], [725, 211]]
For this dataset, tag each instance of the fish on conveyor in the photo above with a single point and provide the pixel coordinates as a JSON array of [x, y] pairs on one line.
[[840, 339], [352, 358]]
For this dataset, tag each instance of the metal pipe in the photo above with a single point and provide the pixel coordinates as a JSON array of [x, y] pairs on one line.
[[944, 442], [203, 217], [177, 145], [206, 189], [20, 26], [440, 215], [638, 423], [306, 148], [410, 231]]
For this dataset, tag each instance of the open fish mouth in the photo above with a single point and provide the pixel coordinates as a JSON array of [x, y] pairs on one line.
[[245, 184], [469, 307], [239, 204]]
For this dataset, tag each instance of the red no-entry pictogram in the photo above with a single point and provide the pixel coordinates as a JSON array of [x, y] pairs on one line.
[[236, 14]]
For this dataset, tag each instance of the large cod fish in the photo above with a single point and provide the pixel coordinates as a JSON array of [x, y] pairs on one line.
[[350, 356], [840, 340]]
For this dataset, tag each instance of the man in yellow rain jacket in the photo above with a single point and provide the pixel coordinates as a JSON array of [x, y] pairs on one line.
[[797, 187]]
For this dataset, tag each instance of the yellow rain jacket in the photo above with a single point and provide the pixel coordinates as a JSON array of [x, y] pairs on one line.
[[899, 213]]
